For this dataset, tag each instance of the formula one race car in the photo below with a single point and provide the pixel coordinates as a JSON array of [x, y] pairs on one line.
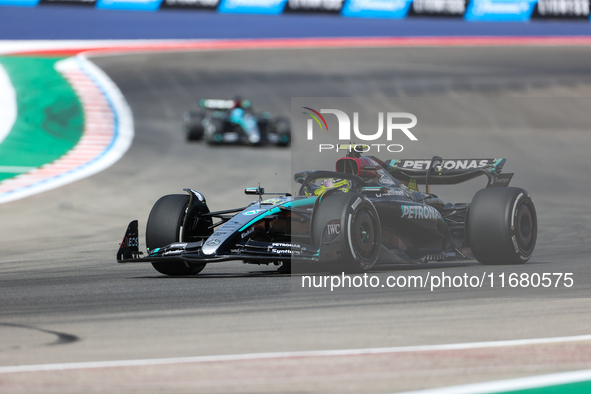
[[234, 122], [366, 212]]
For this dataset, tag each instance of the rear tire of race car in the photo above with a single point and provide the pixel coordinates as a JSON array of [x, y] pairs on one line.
[[164, 227], [193, 122], [282, 128], [502, 226], [360, 230]]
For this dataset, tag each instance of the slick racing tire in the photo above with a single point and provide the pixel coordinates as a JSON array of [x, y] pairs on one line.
[[193, 122], [282, 128], [352, 221], [164, 227], [502, 226]]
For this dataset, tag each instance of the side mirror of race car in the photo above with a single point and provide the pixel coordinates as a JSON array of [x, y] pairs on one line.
[[257, 191]]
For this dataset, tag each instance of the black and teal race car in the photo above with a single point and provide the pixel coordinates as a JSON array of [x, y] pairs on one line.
[[365, 212], [219, 122]]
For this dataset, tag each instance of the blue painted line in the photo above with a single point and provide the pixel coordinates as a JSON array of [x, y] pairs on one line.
[[67, 22]]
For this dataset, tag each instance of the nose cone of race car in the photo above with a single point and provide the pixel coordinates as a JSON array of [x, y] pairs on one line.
[[217, 242]]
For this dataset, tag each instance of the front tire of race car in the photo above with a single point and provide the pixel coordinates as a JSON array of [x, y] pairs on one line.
[[193, 122], [282, 128], [164, 227], [358, 233], [215, 132], [502, 226]]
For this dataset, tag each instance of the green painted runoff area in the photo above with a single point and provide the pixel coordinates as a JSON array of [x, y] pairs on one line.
[[569, 388], [50, 118]]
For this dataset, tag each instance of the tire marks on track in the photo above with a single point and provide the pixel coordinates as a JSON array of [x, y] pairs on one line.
[[62, 337]]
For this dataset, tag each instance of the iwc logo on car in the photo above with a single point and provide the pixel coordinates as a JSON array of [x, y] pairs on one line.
[[333, 228]]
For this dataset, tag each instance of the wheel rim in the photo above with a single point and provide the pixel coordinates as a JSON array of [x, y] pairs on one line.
[[364, 235], [525, 227]]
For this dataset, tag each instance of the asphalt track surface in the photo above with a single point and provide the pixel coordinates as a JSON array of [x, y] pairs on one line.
[[65, 299]]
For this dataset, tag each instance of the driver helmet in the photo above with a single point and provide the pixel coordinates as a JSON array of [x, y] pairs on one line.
[[333, 183], [239, 102]]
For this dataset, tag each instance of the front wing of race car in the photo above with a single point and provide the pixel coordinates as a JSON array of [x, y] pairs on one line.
[[251, 251]]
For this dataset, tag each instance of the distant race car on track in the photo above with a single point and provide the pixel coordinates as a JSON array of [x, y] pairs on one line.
[[367, 211], [234, 122]]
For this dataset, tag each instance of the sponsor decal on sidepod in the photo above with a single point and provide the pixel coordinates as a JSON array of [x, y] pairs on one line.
[[419, 212]]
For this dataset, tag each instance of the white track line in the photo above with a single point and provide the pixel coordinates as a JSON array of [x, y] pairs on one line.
[[8, 108], [16, 46], [284, 355], [108, 133], [500, 386]]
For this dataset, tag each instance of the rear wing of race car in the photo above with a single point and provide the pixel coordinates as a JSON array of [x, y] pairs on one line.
[[217, 104], [437, 171]]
